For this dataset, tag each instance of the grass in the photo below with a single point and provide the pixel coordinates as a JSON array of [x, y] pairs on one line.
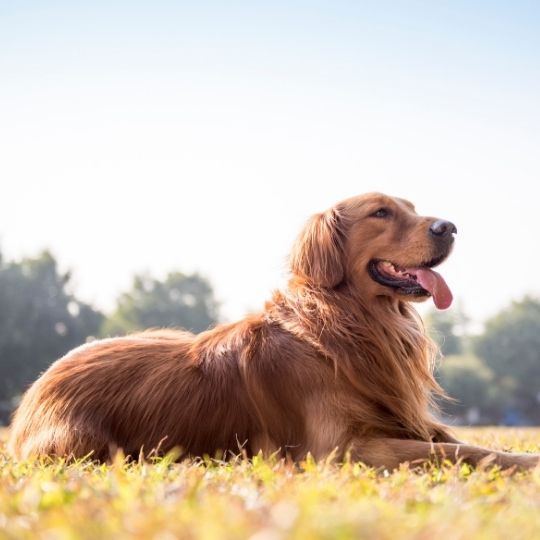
[[271, 500]]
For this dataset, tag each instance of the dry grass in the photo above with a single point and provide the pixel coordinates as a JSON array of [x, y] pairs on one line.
[[268, 500]]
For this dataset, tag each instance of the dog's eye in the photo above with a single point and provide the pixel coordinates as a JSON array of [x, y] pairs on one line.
[[381, 213]]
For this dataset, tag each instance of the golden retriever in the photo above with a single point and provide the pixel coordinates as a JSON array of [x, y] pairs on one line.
[[337, 362]]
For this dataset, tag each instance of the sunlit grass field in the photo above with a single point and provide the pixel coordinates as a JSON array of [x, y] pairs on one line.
[[270, 500]]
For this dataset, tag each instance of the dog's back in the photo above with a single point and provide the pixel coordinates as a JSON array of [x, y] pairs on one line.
[[145, 391], [167, 389]]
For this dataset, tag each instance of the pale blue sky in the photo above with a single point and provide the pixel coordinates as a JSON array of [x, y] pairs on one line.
[[201, 135]]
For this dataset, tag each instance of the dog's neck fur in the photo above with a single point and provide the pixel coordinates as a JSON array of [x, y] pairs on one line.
[[380, 354]]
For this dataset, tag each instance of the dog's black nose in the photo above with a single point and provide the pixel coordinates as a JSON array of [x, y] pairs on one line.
[[442, 228]]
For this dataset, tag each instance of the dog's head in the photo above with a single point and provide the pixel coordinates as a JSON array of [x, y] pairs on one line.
[[379, 245]]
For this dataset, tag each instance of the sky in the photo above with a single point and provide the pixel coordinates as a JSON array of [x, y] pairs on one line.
[[200, 136]]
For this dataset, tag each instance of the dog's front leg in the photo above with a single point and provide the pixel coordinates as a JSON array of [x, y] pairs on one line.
[[390, 453]]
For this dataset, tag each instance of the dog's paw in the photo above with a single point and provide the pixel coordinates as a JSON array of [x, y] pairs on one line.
[[528, 461]]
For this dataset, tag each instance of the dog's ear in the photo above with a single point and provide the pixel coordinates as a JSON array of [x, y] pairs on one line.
[[317, 254]]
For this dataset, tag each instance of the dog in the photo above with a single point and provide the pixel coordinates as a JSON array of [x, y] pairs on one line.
[[337, 363]]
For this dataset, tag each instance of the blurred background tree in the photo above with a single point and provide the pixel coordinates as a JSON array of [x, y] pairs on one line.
[[441, 326], [475, 396], [40, 320], [185, 301], [494, 376], [466, 380], [510, 347]]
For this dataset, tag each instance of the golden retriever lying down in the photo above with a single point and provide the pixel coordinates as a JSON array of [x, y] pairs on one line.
[[337, 360]]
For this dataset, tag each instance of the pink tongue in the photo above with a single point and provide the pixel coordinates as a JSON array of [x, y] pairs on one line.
[[435, 284]]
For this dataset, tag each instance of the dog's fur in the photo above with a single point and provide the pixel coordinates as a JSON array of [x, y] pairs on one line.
[[335, 361]]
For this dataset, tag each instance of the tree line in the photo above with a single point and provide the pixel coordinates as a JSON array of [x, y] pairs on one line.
[[493, 376]]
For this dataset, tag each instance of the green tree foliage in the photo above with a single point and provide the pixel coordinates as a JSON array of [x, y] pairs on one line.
[[510, 347], [441, 326], [185, 301], [470, 385], [40, 320]]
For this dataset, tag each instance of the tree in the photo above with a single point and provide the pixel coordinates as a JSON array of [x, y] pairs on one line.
[[40, 320], [441, 326], [510, 347], [185, 301], [474, 396]]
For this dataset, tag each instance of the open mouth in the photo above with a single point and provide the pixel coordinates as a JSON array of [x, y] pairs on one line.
[[413, 281]]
